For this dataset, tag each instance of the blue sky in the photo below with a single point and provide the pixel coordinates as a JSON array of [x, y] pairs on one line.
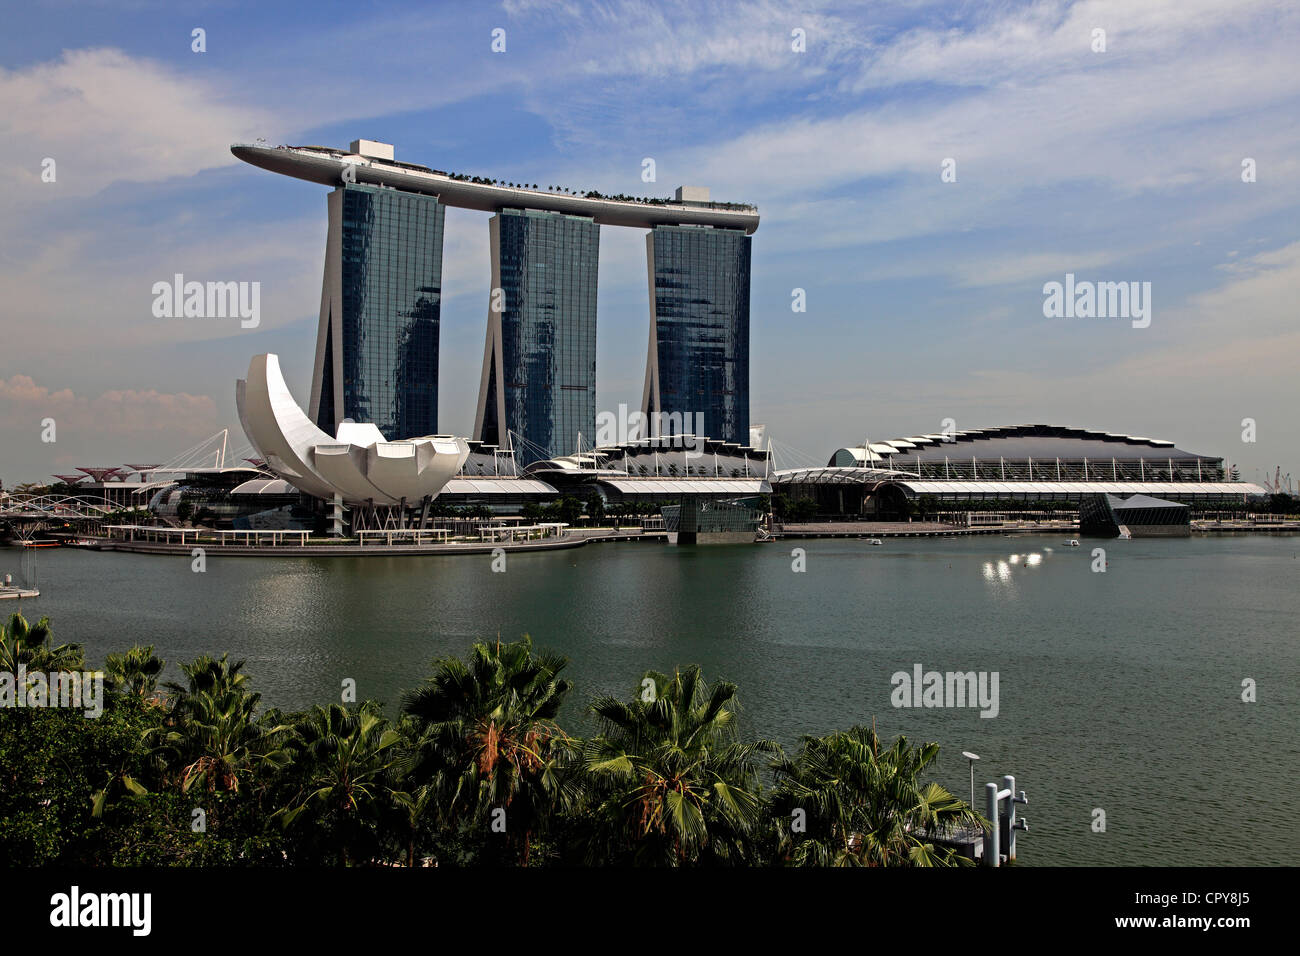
[[924, 297]]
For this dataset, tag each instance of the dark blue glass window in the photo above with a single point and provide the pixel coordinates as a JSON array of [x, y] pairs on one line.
[[548, 268], [392, 297], [701, 282]]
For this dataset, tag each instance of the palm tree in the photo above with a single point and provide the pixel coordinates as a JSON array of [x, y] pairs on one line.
[[136, 671], [671, 781], [208, 674], [213, 731], [488, 730], [29, 645], [425, 783], [348, 756], [863, 803], [415, 804]]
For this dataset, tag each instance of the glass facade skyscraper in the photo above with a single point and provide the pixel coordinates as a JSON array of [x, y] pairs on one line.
[[538, 388], [698, 366], [377, 348]]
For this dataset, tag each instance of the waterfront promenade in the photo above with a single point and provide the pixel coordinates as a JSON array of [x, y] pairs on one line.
[[142, 540], [151, 539], [912, 529], [931, 529]]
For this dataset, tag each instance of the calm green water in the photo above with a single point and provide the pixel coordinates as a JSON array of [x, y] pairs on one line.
[[1118, 691]]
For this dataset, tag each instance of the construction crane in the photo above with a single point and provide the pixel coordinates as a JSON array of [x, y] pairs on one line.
[[1280, 484]]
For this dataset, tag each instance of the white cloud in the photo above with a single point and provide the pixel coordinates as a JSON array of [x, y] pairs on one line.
[[656, 39], [105, 116], [89, 290], [116, 425]]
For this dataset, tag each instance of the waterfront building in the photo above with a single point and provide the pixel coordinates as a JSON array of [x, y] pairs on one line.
[[1137, 516], [140, 486], [377, 346], [1034, 453], [661, 470], [697, 368], [1052, 464], [356, 466], [381, 299], [696, 519], [491, 479], [537, 394]]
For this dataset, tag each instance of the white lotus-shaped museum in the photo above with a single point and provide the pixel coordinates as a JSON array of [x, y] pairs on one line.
[[357, 463]]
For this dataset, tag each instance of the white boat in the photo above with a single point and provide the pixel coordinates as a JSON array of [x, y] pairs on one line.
[[1072, 543], [875, 541]]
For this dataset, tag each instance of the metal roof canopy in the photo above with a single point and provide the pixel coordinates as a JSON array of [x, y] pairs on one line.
[[1037, 441], [265, 486], [1060, 488], [846, 475], [673, 486], [503, 485], [1141, 501]]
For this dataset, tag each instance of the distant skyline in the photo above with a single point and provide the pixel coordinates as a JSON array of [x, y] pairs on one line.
[[924, 296]]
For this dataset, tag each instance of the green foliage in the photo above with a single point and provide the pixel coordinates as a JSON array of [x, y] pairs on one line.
[[863, 803], [793, 510], [671, 782], [136, 671], [54, 761], [1282, 504], [31, 646], [212, 737], [158, 829], [488, 741], [476, 771], [343, 759]]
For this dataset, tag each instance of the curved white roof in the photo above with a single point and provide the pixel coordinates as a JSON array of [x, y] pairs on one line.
[[1023, 442], [265, 486], [357, 464], [838, 475], [676, 486], [325, 166], [497, 486], [1080, 487]]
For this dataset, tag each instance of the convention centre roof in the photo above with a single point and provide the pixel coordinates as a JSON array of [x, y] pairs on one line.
[[1018, 442]]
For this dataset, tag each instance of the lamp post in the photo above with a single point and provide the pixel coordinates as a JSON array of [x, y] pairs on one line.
[[972, 758]]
